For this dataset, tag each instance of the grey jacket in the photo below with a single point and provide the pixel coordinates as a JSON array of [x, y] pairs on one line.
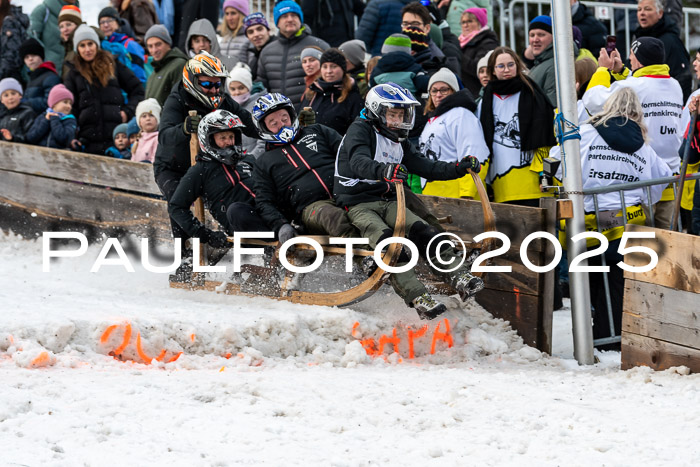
[[234, 49]]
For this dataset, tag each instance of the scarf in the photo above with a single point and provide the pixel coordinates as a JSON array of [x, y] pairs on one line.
[[242, 99], [535, 114], [464, 40]]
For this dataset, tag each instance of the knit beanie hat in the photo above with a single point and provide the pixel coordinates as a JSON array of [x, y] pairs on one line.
[[543, 22], [334, 56], [483, 62], [31, 47], [419, 39], [148, 106], [85, 33], [311, 51], [241, 73], [287, 6], [355, 51], [108, 12], [159, 31], [132, 127], [444, 75], [121, 128], [8, 84], [240, 5], [253, 19], [480, 14], [649, 51], [70, 13], [397, 43], [58, 93]]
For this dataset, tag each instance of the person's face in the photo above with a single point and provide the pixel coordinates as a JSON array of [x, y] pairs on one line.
[[200, 43], [224, 139], [634, 62], [696, 65], [108, 26], [64, 106], [331, 72], [209, 89], [411, 20], [32, 61], [469, 23], [484, 76], [87, 50], [439, 91], [10, 99], [539, 40], [289, 24], [236, 88], [311, 65], [394, 117], [148, 123], [133, 138], [121, 141], [505, 67], [258, 35], [647, 15], [66, 28], [232, 18], [157, 47], [277, 120]]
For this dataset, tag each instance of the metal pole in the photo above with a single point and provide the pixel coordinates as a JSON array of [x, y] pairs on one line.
[[571, 160]]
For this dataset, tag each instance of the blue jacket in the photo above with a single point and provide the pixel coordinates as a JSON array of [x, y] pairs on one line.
[[136, 54], [40, 83], [381, 19], [57, 132]]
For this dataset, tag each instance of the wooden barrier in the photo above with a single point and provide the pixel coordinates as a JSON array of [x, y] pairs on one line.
[[661, 319]]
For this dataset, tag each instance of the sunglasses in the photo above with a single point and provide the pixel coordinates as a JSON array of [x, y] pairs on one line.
[[210, 84]]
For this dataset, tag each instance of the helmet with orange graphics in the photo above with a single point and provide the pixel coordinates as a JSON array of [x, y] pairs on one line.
[[195, 76]]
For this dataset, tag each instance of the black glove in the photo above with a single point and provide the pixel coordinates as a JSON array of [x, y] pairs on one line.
[[191, 124], [216, 239], [469, 162], [286, 232], [307, 117], [395, 173]]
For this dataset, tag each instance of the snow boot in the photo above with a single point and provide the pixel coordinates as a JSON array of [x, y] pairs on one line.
[[427, 307], [184, 272], [466, 285]]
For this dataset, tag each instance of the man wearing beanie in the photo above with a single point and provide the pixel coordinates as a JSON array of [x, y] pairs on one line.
[[167, 63], [42, 75], [415, 23], [661, 98], [541, 51], [111, 25], [55, 127], [279, 66], [257, 31], [334, 22], [44, 27]]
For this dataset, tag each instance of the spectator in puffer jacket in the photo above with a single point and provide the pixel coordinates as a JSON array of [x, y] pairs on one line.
[[257, 31], [121, 148], [19, 116], [13, 31], [42, 75], [44, 27], [381, 19], [167, 63], [279, 66], [109, 21], [234, 43], [56, 127], [148, 118]]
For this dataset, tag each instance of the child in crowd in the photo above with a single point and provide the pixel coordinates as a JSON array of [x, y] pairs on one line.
[[133, 133], [121, 148], [56, 127], [148, 118], [42, 75], [18, 118]]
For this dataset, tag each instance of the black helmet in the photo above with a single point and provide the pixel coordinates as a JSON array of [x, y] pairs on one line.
[[216, 122]]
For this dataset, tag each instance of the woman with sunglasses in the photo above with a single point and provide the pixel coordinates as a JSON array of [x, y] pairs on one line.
[[452, 132], [97, 82], [517, 121]]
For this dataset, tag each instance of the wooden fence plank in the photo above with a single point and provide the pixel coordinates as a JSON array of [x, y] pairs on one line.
[[657, 354]]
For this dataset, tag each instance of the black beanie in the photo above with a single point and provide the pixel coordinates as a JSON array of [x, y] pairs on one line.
[[334, 56], [649, 51], [109, 12], [31, 47]]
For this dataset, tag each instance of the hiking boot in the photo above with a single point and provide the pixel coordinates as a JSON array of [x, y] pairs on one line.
[[427, 307], [184, 272], [467, 285]]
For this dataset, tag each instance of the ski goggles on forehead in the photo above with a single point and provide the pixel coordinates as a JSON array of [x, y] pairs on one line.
[[210, 84]]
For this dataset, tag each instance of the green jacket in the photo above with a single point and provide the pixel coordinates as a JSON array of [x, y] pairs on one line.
[[166, 74], [542, 73], [44, 27]]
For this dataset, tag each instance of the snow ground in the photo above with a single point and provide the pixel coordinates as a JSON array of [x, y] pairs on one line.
[[298, 387]]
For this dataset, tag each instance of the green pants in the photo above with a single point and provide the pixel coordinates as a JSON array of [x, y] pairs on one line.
[[325, 218]]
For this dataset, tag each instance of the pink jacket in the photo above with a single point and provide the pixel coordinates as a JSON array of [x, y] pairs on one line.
[[146, 148]]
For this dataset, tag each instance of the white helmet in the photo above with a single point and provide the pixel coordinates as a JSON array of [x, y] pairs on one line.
[[267, 104], [383, 97]]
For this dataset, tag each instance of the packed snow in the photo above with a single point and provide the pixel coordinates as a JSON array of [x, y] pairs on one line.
[[116, 367]]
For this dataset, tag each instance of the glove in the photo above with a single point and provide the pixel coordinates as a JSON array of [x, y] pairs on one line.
[[216, 239], [469, 162], [191, 124], [395, 173], [307, 117], [286, 232]]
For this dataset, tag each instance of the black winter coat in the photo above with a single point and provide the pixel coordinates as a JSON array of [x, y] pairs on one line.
[[594, 32], [98, 108], [173, 151], [192, 10], [360, 178], [40, 83], [472, 52], [56, 132], [332, 20], [330, 112], [290, 177], [218, 184], [12, 34], [19, 121]]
